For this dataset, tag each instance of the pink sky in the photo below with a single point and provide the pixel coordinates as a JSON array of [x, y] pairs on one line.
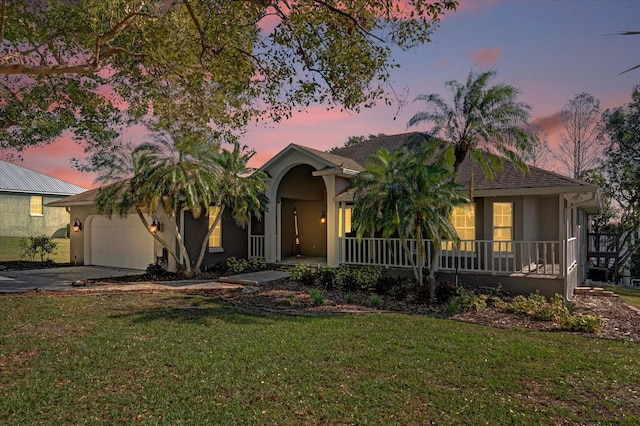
[[550, 50]]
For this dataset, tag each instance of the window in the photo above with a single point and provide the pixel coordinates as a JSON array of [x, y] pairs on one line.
[[215, 239], [347, 222], [463, 219], [502, 227], [36, 205]]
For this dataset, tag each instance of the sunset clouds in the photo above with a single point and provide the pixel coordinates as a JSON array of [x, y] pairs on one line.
[[487, 57], [549, 50]]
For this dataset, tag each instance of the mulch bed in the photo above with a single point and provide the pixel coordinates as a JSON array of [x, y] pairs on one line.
[[290, 298]]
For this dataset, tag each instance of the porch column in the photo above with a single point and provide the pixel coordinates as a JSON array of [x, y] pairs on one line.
[[332, 221], [270, 226]]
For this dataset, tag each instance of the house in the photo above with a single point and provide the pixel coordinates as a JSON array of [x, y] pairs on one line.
[[24, 195], [525, 232]]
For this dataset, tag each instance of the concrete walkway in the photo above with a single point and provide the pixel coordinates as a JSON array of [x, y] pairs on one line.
[[67, 278], [255, 278]]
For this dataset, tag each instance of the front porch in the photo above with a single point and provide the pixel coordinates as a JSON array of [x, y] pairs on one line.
[[526, 258]]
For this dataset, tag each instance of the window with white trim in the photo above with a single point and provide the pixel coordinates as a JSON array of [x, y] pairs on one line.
[[215, 239], [36, 205], [502, 227], [345, 228], [463, 219]]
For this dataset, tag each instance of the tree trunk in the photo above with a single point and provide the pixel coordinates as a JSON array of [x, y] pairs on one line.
[[187, 261], [405, 247]]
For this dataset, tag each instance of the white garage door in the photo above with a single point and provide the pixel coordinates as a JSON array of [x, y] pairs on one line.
[[123, 243]]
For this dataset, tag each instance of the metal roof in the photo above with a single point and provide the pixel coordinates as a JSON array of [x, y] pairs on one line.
[[15, 178]]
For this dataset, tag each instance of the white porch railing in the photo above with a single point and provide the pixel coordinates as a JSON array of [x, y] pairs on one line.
[[483, 256], [256, 246]]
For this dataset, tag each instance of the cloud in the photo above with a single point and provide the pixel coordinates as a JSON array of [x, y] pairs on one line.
[[475, 5], [549, 124], [487, 57]]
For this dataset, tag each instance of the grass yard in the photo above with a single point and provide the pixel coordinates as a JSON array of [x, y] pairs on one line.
[[174, 358], [630, 295], [10, 250]]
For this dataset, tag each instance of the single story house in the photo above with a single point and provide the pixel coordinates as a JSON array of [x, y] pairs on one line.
[[524, 231], [24, 195]]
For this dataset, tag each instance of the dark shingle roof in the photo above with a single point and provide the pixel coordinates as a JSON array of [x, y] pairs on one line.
[[339, 160], [15, 178], [509, 178], [87, 197]]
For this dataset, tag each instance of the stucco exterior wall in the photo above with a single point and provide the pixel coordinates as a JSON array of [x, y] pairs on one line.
[[234, 240], [548, 287], [16, 219]]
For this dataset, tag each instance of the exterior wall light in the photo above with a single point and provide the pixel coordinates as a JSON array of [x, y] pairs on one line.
[[77, 225], [323, 218], [155, 225]]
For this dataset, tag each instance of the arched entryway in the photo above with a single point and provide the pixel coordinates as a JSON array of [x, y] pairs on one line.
[[302, 200]]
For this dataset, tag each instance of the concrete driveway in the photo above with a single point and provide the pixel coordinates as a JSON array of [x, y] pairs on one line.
[[56, 278]]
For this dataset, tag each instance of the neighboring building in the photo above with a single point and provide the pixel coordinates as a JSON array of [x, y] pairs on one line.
[[24, 195], [526, 232]]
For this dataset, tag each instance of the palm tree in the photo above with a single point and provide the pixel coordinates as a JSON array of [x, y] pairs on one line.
[[190, 174], [409, 195], [482, 117], [240, 191], [629, 33]]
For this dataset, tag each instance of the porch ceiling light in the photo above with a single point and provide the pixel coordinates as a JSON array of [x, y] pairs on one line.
[[323, 218], [155, 225], [77, 225]]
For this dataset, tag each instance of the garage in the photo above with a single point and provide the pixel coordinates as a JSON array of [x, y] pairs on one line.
[[120, 242]]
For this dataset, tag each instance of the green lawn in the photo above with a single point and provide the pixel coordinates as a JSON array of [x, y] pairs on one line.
[[173, 358], [10, 249], [630, 295]]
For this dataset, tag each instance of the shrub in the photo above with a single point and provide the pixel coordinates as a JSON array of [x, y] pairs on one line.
[[357, 278], [376, 301], [257, 264], [423, 293], [155, 270], [581, 322], [527, 305], [40, 245], [452, 306], [326, 276], [554, 311], [350, 298], [470, 301], [444, 291], [304, 273], [385, 284], [236, 266], [317, 298]]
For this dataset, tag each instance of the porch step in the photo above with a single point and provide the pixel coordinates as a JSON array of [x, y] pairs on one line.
[[594, 291]]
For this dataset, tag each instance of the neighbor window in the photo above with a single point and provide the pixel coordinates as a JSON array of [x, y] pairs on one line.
[[463, 218], [36, 205], [215, 239], [502, 227]]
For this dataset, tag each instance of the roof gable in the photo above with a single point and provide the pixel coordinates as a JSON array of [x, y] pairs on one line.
[[14, 178], [328, 160]]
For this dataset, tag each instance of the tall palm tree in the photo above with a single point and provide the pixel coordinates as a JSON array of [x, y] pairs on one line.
[[189, 174], [409, 195], [481, 116], [168, 176], [240, 191]]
